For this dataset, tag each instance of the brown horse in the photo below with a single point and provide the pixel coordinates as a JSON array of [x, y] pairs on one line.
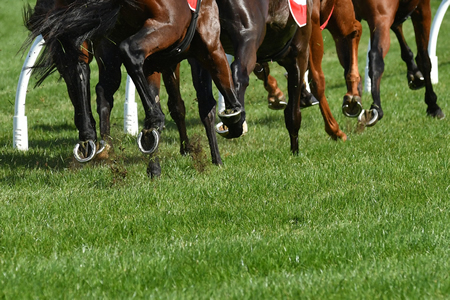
[[339, 19], [136, 33], [381, 15], [261, 31]]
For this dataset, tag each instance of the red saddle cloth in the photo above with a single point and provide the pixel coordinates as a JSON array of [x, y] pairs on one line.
[[298, 11], [192, 4]]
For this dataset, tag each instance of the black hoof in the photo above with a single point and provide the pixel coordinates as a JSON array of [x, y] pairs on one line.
[[230, 117], [351, 106], [276, 103], [154, 168], [85, 151], [148, 140], [437, 113], [368, 118], [308, 101], [415, 80]]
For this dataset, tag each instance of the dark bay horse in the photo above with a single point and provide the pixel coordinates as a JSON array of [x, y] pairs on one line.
[[147, 37], [260, 31], [339, 19], [381, 15]]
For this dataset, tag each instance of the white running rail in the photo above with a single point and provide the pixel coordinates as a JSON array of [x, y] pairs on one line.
[[20, 126]]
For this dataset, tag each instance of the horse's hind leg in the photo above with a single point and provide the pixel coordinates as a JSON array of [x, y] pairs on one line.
[[346, 32], [421, 18], [176, 106], [415, 78], [109, 63], [206, 106], [276, 99], [76, 74]]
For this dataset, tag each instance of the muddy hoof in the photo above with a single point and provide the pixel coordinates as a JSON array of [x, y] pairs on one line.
[[351, 106], [415, 80], [368, 117]]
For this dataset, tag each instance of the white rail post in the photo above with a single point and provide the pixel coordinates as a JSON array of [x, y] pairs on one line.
[[130, 120], [437, 21], [20, 124]]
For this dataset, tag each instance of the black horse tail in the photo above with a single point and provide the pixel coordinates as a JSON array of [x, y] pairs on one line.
[[66, 28]]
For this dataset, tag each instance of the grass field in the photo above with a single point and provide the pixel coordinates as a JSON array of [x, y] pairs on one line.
[[368, 218]]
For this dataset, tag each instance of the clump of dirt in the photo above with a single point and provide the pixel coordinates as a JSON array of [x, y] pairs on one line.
[[199, 158]]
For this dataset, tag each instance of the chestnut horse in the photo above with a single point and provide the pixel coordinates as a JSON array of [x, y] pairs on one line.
[[137, 34], [381, 15]]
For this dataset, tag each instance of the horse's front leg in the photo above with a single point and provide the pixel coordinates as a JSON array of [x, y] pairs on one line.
[[415, 78], [109, 82], [206, 106], [153, 37], [346, 32], [421, 18], [211, 56]]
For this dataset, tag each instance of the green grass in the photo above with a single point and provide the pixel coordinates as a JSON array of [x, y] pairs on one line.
[[367, 218]]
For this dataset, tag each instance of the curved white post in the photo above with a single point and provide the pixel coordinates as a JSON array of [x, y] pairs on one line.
[[437, 21], [20, 124], [130, 118]]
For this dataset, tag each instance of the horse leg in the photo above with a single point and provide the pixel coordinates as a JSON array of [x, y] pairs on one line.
[[415, 78], [346, 32], [76, 74], [206, 106], [380, 43], [152, 37], [276, 99], [148, 139], [109, 62], [211, 56], [421, 18], [318, 79], [176, 106]]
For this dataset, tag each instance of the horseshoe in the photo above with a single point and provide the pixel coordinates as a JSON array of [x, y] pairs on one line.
[[90, 157]]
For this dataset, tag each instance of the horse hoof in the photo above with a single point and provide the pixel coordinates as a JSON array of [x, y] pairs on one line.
[[148, 143], [223, 130], [277, 103], [351, 106], [102, 146], [415, 80], [309, 101], [368, 117], [86, 153], [229, 116], [438, 114]]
